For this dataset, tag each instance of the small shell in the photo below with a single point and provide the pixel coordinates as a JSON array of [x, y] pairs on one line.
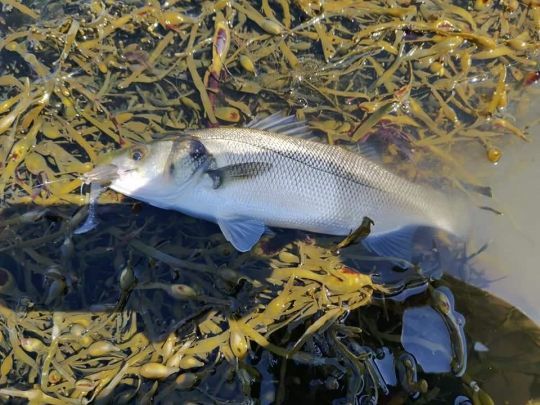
[[188, 362], [155, 371]]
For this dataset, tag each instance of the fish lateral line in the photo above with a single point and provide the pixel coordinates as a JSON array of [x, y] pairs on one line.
[[349, 176]]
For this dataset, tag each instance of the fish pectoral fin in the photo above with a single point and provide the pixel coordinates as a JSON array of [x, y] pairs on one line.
[[281, 124], [237, 171], [243, 233], [396, 243]]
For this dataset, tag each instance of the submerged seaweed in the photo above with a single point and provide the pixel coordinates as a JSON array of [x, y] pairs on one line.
[[144, 307]]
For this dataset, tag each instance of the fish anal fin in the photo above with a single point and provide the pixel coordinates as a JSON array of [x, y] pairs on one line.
[[237, 171], [243, 233], [397, 243]]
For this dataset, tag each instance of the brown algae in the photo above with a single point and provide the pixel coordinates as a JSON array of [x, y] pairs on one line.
[[175, 307]]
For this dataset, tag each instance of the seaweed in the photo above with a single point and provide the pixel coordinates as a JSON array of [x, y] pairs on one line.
[[140, 309]]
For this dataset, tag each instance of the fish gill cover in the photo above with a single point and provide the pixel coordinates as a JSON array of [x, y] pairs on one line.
[[152, 306]]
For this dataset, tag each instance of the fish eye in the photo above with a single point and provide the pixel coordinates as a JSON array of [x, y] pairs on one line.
[[137, 154]]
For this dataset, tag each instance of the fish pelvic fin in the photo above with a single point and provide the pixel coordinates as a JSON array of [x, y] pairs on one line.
[[243, 233]]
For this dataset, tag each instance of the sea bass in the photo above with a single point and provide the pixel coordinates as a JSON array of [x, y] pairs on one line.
[[268, 175]]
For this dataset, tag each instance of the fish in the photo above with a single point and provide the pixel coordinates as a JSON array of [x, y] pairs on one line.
[[269, 173]]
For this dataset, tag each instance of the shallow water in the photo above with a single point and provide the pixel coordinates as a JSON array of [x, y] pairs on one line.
[[511, 259], [509, 265]]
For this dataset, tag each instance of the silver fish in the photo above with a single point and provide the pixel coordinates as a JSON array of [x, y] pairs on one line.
[[268, 175]]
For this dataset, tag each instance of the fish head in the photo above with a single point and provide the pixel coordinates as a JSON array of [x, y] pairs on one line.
[[139, 166], [132, 169], [153, 170]]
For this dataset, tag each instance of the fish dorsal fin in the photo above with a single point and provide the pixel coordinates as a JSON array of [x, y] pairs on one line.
[[282, 124], [367, 150], [396, 243], [243, 233]]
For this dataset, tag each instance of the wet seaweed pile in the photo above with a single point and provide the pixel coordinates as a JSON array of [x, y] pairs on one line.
[[155, 306], [159, 315]]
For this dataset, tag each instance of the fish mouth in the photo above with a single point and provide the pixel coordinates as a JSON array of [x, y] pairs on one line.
[[102, 174]]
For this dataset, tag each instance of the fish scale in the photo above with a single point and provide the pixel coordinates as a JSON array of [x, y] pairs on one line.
[[313, 186]]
